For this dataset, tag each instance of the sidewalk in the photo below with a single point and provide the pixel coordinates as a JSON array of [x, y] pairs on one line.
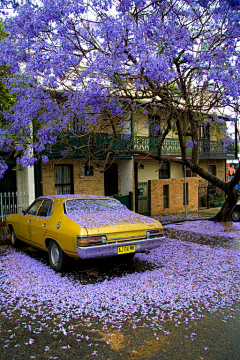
[[202, 213]]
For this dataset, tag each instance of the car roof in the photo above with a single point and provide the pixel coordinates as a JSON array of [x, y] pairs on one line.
[[72, 196]]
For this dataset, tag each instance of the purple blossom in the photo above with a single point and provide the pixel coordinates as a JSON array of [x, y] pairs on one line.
[[3, 168], [191, 143], [44, 49], [44, 159]]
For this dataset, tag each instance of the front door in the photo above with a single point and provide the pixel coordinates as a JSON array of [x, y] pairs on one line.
[[142, 198], [111, 180], [8, 182]]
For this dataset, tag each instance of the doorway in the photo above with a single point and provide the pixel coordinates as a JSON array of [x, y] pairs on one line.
[[8, 182], [111, 180]]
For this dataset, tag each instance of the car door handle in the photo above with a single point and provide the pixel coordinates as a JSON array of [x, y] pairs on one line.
[[29, 221], [44, 224]]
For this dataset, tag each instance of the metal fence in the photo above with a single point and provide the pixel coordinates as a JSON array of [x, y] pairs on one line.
[[12, 203]]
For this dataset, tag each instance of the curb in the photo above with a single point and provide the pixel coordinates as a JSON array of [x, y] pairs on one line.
[[185, 219]]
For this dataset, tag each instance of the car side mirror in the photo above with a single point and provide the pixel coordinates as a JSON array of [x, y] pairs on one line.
[[24, 211]]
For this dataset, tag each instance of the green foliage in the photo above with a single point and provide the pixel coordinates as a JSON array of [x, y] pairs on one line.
[[6, 99], [116, 79]]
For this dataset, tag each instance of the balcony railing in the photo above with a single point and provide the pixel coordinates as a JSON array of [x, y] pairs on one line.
[[171, 147], [214, 150]]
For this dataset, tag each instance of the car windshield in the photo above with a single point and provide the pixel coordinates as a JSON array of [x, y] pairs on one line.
[[92, 205]]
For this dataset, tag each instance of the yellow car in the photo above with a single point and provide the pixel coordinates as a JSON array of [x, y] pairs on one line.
[[83, 226]]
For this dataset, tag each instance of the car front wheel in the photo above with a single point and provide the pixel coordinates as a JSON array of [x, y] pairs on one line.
[[235, 215], [14, 240], [57, 258]]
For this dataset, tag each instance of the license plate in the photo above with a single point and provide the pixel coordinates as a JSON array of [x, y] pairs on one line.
[[126, 249]]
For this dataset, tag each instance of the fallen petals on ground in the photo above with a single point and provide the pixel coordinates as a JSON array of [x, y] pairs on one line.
[[212, 228], [185, 280]]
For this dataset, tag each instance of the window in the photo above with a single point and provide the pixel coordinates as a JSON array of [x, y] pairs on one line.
[[184, 193], [213, 169], [189, 172], [164, 171], [63, 179], [92, 205], [88, 170], [45, 208], [165, 196], [154, 125], [34, 208], [79, 124], [204, 132]]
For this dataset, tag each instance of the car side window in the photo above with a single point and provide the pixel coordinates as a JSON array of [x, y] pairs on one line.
[[34, 208], [45, 209]]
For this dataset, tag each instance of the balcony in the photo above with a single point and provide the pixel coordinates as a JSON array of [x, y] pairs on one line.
[[171, 147], [213, 150], [96, 142]]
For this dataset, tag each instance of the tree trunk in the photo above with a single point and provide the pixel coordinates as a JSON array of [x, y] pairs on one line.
[[225, 213]]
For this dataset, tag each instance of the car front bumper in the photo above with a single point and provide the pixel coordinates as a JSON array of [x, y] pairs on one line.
[[90, 252]]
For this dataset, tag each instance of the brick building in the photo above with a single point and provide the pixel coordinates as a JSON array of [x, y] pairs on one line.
[[150, 187], [143, 184]]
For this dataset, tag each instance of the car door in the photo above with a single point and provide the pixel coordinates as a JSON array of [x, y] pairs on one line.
[[38, 225], [24, 228]]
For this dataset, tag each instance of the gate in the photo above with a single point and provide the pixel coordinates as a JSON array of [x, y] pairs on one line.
[[125, 200], [204, 195], [142, 198]]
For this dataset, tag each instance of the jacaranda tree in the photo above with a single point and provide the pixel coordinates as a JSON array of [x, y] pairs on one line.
[[98, 61]]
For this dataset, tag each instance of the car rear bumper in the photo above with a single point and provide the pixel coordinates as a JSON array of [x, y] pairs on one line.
[[90, 252]]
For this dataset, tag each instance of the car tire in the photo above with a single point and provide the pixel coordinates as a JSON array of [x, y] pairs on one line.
[[15, 242], [57, 258], [235, 215]]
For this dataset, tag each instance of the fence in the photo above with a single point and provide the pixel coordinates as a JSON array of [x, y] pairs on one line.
[[12, 203]]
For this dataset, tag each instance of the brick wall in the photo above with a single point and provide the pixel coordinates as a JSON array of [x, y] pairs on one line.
[[93, 185], [176, 187], [220, 169]]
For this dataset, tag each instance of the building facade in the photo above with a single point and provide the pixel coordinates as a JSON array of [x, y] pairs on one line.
[[142, 183]]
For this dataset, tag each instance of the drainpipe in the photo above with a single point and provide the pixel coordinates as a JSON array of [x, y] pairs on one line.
[[185, 191]]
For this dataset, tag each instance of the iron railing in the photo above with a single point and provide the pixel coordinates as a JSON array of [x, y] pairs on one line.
[[96, 143], [12, 203]]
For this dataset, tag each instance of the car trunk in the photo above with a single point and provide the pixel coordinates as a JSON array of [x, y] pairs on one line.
[[124, 232]]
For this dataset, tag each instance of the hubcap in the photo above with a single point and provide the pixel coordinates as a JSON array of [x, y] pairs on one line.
[[235, 215], [55, 255]]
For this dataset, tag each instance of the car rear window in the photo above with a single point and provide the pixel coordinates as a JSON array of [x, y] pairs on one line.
[[92, 205]]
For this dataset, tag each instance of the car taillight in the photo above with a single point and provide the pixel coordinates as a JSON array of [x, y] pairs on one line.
[[154, 233], [91, 240]]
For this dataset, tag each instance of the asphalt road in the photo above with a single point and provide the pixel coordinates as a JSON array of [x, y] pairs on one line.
[[216, 339]]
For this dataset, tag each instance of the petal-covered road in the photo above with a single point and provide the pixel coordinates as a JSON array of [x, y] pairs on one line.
[[183, 282]]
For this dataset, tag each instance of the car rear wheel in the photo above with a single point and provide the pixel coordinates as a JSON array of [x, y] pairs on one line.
[[57, 258], [14, 240], [235, 215]]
